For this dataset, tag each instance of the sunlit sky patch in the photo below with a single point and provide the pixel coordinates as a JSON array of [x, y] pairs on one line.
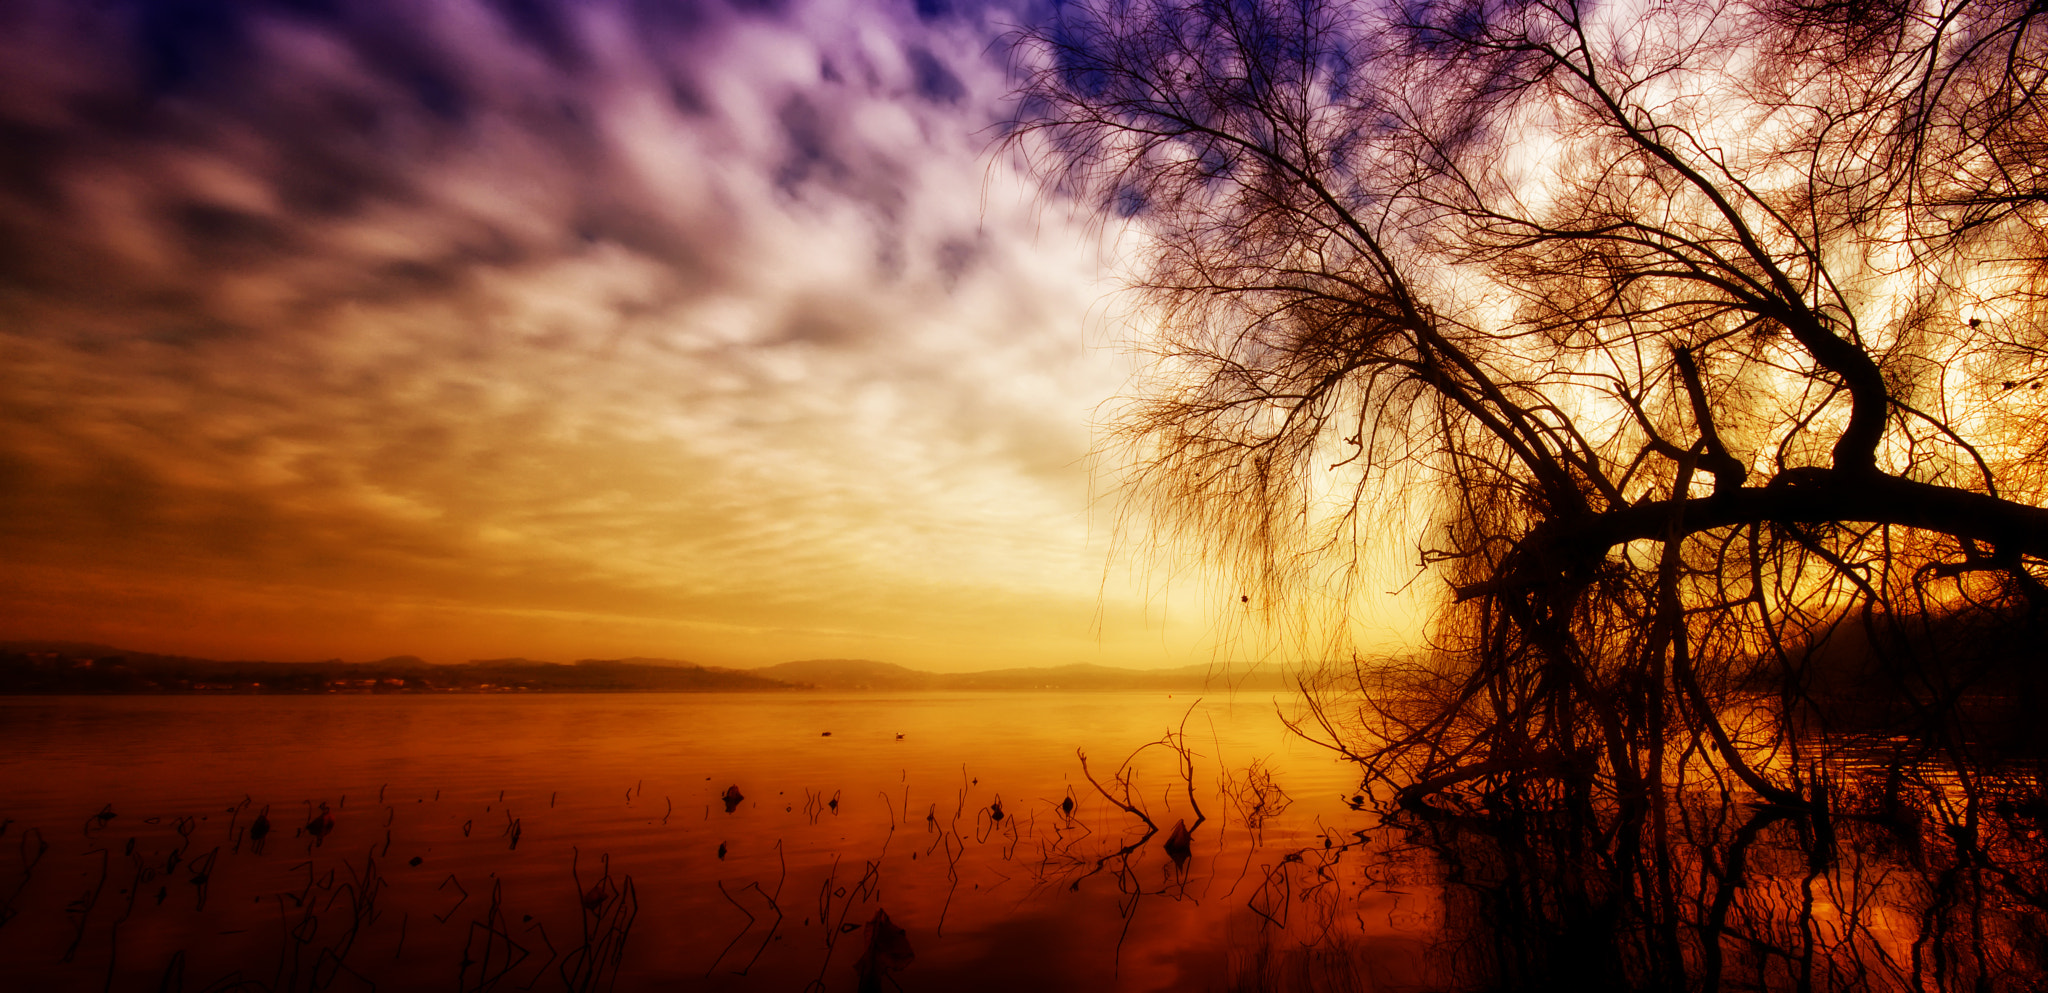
[[473, 329]]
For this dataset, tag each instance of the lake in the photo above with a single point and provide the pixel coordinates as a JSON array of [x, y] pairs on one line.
[[949, 841], [582, 841]]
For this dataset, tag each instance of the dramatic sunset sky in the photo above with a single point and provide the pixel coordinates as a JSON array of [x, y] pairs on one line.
[[474, 328]]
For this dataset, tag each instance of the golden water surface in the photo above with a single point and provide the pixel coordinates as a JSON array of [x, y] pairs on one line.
[[581, 842]]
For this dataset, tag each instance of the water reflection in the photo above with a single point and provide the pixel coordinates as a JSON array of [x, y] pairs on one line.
[[1909, 878], [1110, 842], [581, 842]]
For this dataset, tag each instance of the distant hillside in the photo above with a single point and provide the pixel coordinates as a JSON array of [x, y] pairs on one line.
[[75, 667], [637, 660], [82, 667], [863, 674], [1986, 666], [1193, 678], [849, 674]]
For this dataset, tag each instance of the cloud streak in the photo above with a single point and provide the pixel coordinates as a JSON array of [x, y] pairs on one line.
[[473, 328]]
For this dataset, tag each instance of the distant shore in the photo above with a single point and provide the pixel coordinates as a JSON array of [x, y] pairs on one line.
[[74, 668]]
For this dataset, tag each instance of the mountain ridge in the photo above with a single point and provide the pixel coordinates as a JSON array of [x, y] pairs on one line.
[[868, 674], [61, 667]]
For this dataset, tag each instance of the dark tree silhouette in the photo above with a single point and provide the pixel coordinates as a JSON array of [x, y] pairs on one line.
[[1696, 339], [1700, 343]]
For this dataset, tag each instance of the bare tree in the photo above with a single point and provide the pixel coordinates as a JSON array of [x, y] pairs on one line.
[[1690, 330]]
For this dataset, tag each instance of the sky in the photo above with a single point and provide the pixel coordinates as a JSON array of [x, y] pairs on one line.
[[700, 329]]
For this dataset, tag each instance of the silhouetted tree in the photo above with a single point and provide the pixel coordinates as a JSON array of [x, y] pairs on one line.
[[1686, 335], [1687, 330]]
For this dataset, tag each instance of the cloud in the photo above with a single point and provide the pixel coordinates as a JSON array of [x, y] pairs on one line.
[[669, 327]]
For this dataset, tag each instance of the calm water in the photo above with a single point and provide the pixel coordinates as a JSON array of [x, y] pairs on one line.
[[580, 841]]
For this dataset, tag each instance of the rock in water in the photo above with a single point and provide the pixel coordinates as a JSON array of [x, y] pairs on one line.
[[1179, 844]]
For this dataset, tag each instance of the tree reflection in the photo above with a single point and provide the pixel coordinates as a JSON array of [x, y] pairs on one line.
[[1911, 891], [1746, 897]]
